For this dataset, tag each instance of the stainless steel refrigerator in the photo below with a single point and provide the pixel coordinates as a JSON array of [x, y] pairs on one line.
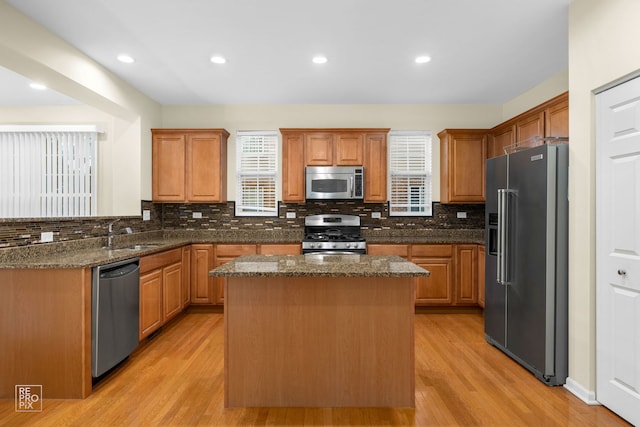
[[526, 282]]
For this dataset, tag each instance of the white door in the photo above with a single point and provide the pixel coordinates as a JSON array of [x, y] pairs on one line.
[[618, 249]]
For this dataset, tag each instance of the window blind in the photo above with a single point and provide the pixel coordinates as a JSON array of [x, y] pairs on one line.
[[48, 172], [256, 168], [410, 173]]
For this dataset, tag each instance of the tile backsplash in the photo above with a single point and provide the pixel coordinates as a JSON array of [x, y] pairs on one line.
[[221, 216]]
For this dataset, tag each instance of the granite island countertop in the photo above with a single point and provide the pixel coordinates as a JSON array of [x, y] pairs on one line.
[[319, 265]]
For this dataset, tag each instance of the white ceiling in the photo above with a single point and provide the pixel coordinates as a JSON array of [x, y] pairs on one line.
[[483, 51]]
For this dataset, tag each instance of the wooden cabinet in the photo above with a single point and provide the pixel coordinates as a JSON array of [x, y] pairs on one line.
[[172, 289], [462, 165], [226, 253], [318, 148], [556, 117], [389, 249], [189, 165], [530, 126], [202, 286], [548, 119], [280, 249], [438, 288], [501, 136], [293, 180], [466, 289], [334, 147], [455, 271], [349, 149], [481, 271], [375, 167], [186, 276], [161, 284]]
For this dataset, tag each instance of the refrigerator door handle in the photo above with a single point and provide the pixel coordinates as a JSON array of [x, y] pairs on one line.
[[502, 274]]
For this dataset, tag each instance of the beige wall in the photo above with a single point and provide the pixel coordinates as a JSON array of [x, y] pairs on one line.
[[29, 49], [544, 91], [603, 47]]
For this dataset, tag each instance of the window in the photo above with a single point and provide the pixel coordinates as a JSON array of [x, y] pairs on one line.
[[48, 171], [410, 174], [256, 168]]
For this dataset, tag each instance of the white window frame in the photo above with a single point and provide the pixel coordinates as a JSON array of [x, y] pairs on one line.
[[48, 171], [410, 159], [262, 167]]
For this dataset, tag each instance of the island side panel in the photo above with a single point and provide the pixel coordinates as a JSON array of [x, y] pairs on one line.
[[319, 341], [45, 331]]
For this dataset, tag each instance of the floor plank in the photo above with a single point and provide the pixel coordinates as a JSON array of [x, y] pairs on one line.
[[176, 379]]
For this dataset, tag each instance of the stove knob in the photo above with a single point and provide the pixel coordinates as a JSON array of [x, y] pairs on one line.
[[334, 246], [349, 245]]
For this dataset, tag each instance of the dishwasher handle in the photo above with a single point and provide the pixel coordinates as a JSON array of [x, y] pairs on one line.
[[119, 271]]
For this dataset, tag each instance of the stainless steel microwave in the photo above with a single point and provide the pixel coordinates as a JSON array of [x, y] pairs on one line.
[[334, 182]]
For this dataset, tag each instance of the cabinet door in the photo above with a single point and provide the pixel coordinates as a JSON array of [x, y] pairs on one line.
[[375, 168], [437, 289], [206, 168], [225, 253], [388, 249], [501, 137], [281, 249], [186, 276], [529, 127], [168, 167], [202, 290], [481, 270], [462, 163], [348, 149], [150, 302], [557, 119], [318, 149], [172, 290], [466, 282], [293, 167]]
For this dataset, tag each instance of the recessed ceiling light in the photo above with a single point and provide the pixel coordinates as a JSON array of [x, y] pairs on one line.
[[422, 59], [319, 59], [126, 59], [37, 86], [218, 59]]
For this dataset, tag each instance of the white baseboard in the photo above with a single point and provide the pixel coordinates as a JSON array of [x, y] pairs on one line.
[[587, 396]]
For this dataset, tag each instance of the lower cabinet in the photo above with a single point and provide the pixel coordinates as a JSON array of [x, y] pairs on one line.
[[161, 287], [206, 290], [202, 286], [454, 279], [438, 288]]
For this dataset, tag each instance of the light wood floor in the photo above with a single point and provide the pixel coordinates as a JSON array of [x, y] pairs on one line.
[[176, 379]]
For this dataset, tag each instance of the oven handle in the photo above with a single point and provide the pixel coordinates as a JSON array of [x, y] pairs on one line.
[[334, 253]]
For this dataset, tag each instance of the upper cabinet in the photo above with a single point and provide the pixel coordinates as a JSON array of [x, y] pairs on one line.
[[462, 157], [548, 119], [334, 147], [189, 165]]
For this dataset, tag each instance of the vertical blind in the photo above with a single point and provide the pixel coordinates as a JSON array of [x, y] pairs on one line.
[[48, 172], [410, 173], [256, 168]]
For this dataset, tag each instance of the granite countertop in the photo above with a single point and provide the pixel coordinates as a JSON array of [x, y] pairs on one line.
[[90, 252], [319, 265]]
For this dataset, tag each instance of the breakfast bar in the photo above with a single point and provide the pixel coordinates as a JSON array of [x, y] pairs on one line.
[[319, 330]]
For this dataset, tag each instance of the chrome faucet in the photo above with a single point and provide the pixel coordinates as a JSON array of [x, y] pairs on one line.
[[113, 233]]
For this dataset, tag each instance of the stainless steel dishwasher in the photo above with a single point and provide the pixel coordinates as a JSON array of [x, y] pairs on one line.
[[115, 302]]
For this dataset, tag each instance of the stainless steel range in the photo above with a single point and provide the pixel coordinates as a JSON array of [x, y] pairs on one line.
[[333, 234]]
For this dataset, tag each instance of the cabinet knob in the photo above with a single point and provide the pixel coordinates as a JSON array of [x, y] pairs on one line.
[[621, 272]]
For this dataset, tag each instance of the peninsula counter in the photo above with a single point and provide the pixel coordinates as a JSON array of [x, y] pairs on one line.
[[319, 330]]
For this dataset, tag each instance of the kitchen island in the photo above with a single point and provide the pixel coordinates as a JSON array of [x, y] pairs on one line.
[[319, 330]]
